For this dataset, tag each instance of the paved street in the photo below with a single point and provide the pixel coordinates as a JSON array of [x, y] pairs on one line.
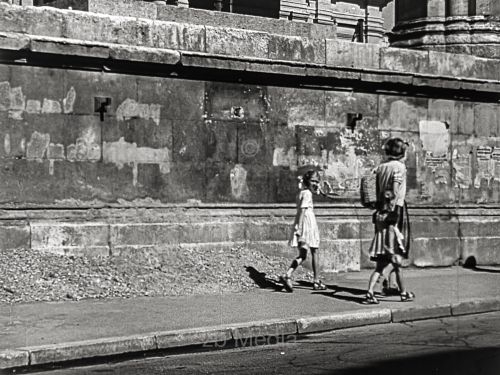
[[461, 345]]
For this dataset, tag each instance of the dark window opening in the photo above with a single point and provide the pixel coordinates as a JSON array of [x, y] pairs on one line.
[[261, 8]]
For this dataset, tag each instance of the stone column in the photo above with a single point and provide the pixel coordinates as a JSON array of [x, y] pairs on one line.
[[458, 8], [296, 10]]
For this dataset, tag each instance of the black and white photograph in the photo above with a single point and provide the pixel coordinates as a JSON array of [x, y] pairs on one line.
[[250, 187]]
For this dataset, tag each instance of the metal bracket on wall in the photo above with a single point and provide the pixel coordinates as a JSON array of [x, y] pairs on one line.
[[100, 105]]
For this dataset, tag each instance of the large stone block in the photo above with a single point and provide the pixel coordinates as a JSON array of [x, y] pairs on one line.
[[297, 49], [177, 36], [236, 42], [340, 255], [352, 55], [125, 8], [10, 358], [61, 47], [121, 89], [90, 349], [185, 182], [31, 20], [14, 42], [435, 252], [70, 238], [203, 335], [404, 60], [15, 235], [343, 320], [269, 328], [398, 113], [98, 27], [144, 234], [487, 120], [481, 250], [180, 100], [212, 232], [260, 230], [144, 54]]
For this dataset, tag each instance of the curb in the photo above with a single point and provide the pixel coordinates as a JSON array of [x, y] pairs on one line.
[[219, 335]]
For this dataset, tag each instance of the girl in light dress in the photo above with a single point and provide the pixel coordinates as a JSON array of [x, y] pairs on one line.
[[388, 246], [305, 234]]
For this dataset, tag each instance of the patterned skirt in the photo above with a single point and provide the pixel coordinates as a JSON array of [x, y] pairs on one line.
[[390, 239]]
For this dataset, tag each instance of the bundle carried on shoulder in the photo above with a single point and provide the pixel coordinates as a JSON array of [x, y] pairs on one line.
[[368, 190]]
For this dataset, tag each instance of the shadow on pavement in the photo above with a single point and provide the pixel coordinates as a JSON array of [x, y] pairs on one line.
[[484, 361], [263, 282], [471, 264]]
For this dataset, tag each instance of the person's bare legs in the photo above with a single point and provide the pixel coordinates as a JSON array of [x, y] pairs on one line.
[[315, 264], [297, 262]]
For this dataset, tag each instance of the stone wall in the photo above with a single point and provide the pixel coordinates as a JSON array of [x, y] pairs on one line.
[[205, 130]]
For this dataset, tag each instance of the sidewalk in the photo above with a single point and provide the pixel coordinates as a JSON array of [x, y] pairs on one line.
[[41, 333]]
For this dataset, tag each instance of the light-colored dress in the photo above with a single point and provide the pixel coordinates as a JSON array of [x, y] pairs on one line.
[[309, 232], [388, 238]]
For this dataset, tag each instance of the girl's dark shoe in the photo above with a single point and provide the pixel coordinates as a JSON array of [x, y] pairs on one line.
[[407, 296], [318, 285], [287, 283], [370, 299]]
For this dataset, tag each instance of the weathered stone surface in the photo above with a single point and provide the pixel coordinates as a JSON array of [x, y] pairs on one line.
[[62, 47], [404, 60], [11, 41], [149, 55], [357, 55], [475, 306], [343, 320], [178, 36], [397, 113], [144, 234], [435, 252], [420, 312], [279, 328], [13, 358], [64, 237], [89, 349], [125, 8], [258, 230], [340, 255], [15, 236], [234, 42], [32, 20], [97, 27], [297, 49], [487, 120], [196, 336], [484, 250]]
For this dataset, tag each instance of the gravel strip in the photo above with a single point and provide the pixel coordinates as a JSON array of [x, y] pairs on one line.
[[29, 275]]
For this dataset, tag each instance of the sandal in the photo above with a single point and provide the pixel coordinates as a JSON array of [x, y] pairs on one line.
[[318, 285], [407, 296], [370, 299], [287, 283]]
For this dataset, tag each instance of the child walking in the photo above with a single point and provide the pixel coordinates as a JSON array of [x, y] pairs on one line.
[[388, 247], [305, 234]]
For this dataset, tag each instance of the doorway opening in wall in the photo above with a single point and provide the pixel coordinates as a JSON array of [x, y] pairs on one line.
[[261, 8]]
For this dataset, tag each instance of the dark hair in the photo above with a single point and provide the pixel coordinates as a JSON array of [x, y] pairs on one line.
[[306, 179], [395, 148]]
